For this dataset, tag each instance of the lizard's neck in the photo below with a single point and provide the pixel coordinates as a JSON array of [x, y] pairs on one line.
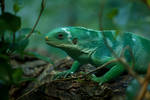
[[73, 53], [80, 56]]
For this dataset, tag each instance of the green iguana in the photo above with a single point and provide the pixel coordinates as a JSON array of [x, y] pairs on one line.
[[88, 46]]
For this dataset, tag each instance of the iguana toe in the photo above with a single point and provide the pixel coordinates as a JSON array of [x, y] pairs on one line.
[[62, 74], [99, 80]]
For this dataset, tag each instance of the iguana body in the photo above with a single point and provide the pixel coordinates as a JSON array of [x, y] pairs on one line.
[[87, 46]]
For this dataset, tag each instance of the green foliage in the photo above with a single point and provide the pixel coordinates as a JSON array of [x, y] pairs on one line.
[[4, 91], [21, 45], [12, 41], [17, 75], [6, 70], [17, 46], [18, 78], [41, 57], [113, 13], [132, 90], [16, 7], [9, 75], [148, 2], [10, 22]]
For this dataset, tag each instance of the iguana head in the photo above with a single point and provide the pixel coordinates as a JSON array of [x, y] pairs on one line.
[[74, 38], [60, 37]]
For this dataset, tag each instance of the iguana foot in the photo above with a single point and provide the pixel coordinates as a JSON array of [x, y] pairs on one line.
[[99, 80], [63, 74]]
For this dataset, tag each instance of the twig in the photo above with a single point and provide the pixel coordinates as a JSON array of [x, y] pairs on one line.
[[102, 66], [131, 54], [37, 21], [144, 85], [2, 2], [147, 95], [102, 5], [130, 71], [120, 59], [29, 91]]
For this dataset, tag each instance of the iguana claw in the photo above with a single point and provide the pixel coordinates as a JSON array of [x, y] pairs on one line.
[[62, 74]]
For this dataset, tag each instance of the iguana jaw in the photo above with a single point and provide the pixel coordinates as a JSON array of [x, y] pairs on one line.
[[66, 47], [52, 43], [57, 44]]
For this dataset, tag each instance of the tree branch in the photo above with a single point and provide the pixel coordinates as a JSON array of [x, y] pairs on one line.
[[2, 2], [144, 85], [120, 59], [14, 37], [37, 21]]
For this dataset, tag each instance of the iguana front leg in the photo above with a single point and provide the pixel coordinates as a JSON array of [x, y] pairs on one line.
[[73, 69]]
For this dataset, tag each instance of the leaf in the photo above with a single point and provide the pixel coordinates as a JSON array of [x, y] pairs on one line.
[[4, 47], [148, 3], [113, 13], [9, 22], [17, 75], [41, 57], [5, 70], [22, 33], [21, 43], [16, 7], [123, 13], [4, 91], [20, 46], [132, 90]]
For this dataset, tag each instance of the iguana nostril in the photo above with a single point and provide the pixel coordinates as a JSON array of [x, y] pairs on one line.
[[46, 38]]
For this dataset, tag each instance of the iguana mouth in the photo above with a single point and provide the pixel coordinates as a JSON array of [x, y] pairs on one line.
[[54, 43], [46, 38], [51, 42]]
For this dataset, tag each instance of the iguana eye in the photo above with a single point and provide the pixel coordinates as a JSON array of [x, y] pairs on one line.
[[60, 36], [74, 41]]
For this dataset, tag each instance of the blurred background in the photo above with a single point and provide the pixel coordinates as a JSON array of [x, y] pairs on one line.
[[121, 15]]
